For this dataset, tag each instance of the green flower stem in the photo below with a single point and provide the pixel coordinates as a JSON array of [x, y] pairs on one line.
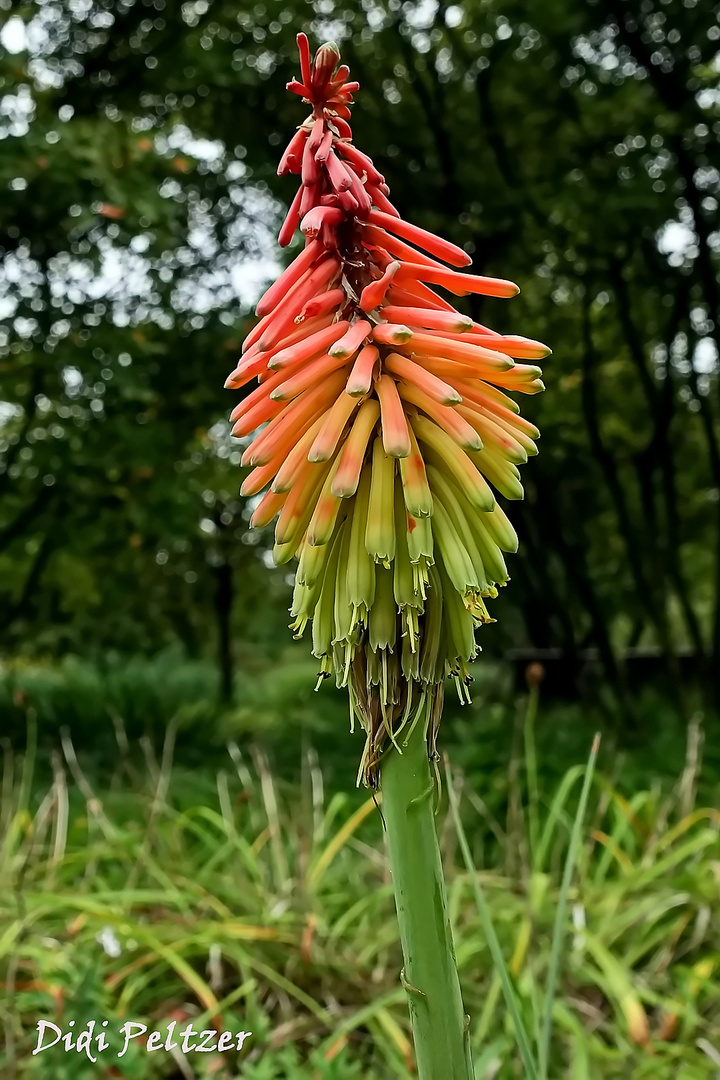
[[430, 974]]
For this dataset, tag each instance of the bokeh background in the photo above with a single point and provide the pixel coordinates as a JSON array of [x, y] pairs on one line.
[[571, 146]]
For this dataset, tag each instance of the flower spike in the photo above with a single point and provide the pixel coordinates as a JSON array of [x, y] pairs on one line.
[[388, 426]]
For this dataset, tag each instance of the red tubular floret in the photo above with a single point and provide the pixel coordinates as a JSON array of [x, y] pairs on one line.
[[298, 88], [325, 147], [343, 128], [459, 284], [443, 249], [292, 158], [291, 222], [304, 49], [374, 293], [287, 279], [361, 162], [382, 202]]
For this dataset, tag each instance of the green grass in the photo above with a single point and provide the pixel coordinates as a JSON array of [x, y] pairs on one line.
[[274, 705], [241, 900]]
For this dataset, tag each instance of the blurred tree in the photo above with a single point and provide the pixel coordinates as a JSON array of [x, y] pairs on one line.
[[575, 143]]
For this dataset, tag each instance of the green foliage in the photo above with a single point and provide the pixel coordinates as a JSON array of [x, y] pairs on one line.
[[106, 707], [143, 695], [176, 893], [571, 146], [275, 704]]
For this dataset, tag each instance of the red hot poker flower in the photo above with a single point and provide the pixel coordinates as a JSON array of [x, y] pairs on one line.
[[383, 426]]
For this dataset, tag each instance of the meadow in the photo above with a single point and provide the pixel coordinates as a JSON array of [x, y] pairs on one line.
[[233, 878]]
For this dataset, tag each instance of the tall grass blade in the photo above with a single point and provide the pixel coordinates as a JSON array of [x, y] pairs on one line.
[[493, 943], [340, 839], [531, 769], [561, 911]]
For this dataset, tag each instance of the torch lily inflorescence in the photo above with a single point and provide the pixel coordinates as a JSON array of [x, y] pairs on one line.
[[382, 424]]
